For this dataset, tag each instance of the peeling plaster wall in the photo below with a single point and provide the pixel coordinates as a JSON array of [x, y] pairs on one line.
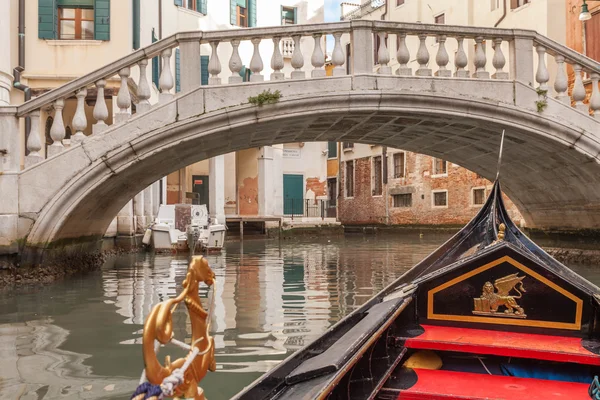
[[366, 208], [310, 160], [247, 181]]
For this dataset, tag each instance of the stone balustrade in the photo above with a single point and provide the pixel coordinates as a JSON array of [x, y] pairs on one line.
[[499, 54]]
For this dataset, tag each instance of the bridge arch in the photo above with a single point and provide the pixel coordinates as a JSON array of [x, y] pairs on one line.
[[551, 167]]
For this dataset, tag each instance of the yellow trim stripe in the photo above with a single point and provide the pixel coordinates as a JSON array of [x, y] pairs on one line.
[[576, 325]]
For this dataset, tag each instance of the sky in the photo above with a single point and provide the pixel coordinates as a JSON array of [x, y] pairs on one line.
[[332, 10]]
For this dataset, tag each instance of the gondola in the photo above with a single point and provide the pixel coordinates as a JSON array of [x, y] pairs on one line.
[[488, 315]]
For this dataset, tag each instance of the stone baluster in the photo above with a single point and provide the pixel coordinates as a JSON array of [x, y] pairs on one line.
[[579, 90], [277, 61], [123, 98], [34, 143], [256, 64], [383, 55], [57, 131], [100, 113], [235, 62], [318, 58], [143, 91], [542, 76], [423, 57], [214, 64], [337, 57], [79, 119], [166, 81], [561, 83], [480, 60], [499, 61], [460, 59], [297, 59], [442, 59], [595, 99], [403, 56]]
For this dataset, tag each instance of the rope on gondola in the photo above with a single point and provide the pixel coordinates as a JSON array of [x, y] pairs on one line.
[[147, 391], [594, 390]]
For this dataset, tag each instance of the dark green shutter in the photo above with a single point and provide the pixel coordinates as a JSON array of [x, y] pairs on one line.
[[251, 13], [331, 149], [202, 7], [179, 3], [136, 24], [155, 63], [102, 19], [76, 3], [47, 19], [204, 70], [177, 71], [233, 15]]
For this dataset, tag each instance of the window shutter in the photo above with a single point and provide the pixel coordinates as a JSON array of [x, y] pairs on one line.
[[233, 15], [47, 19], [179, 3], [295, 15], [204, 70], [102, 19], [177, 71], [155, 64], [331, 149], [251, 13], [202, 7]]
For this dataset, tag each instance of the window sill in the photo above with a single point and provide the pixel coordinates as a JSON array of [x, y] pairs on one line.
[[476, 205], [446, 206], [332, 158], [349, 198], [520, 8], [349, 149], [439, 175], [191, 12], [377, 195], [73, 42]]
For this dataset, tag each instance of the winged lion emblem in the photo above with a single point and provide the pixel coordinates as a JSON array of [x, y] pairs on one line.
[[498, 295]]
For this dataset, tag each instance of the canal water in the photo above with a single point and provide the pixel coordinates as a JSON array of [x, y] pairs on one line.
[[81, 338]]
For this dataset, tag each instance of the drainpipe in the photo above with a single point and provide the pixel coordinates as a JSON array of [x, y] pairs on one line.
[[387, 6], [21, 67], [502, 17], [384, 160], [159, 19]]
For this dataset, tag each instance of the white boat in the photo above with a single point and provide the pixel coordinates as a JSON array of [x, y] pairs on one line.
[[184, 227]]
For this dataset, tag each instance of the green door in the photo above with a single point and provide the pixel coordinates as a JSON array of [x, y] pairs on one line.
[[293, 199], [200, 186]]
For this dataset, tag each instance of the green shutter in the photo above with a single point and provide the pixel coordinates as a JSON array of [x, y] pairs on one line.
[[251, 13], [295, 15], [204, 70], [47, 19], [177, 71], [136, 24], [102, 19], [76, 3], [179, 3], [233, 11], [331, 149], [155, 64], [202, 7]]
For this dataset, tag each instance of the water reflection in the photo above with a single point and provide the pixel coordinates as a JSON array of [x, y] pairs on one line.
[[81, 338]]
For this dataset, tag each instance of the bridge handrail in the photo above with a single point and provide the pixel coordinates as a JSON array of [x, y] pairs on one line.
[[362, 58]]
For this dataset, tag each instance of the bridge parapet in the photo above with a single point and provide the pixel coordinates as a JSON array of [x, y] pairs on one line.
[[513, 59]]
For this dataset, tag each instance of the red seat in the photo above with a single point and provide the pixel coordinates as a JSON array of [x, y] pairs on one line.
[[510, 344], [449, 385]]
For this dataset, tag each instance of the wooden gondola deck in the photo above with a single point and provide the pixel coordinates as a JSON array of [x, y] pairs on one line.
[[502, 343], [450, 385]]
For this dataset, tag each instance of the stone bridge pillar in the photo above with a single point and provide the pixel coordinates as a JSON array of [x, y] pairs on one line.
[[269, 176], [9, 178], [216, 190]]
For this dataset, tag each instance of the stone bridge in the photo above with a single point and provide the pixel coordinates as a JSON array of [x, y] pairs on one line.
[[517, 82]]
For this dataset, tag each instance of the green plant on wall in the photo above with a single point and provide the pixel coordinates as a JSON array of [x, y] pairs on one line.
[[266, 97], [542, 103]]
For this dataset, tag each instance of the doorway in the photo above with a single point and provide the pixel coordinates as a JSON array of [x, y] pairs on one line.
[[200, 186], [293, 196]]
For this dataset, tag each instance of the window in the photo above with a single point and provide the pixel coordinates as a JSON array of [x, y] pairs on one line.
[[440, 199], [494, 4], [440, 19], [76, 23], [440, 167], [350, 178], [288, 16], [518, 3], [402, 200], [398, 165], [377, 178], [478, 196], [242, 16], [331, 149], [243, 13], [347, 146], [399, 2]]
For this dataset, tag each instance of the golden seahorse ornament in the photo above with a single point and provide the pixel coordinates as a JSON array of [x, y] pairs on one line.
[[159, 326]]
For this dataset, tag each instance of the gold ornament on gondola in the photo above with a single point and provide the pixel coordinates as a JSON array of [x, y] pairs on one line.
[[159, 327], [490, 300]]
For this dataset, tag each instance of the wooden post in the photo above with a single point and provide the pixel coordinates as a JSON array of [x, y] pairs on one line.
[[242, 230]]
